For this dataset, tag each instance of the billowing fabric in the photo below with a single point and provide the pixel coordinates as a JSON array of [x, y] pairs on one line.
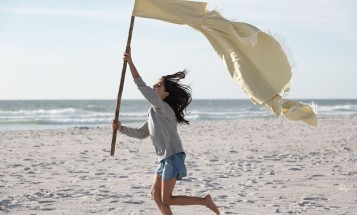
[[255, 60]]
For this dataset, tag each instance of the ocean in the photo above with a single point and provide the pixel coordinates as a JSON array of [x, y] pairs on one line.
[[49, 114]]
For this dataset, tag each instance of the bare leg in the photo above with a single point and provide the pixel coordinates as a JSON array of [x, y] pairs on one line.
[[166, 190], [210, 204], [156, 195]]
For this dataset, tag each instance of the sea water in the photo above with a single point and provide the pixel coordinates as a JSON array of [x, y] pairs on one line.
[[47, 114]]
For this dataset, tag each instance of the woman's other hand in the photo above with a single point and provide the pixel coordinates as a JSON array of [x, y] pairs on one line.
[[117, 125]]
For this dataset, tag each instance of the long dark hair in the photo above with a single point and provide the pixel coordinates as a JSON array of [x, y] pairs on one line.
[[179, 95]]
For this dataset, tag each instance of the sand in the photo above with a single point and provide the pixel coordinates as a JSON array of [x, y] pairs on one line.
[[255, 166]]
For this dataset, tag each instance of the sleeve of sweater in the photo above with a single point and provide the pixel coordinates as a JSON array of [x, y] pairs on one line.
[[148, 93], [139, 133]]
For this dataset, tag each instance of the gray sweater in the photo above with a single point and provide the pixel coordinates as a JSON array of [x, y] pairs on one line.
[[161, 124]]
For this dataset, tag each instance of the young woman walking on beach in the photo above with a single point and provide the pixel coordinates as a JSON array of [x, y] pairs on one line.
[[168, 99]]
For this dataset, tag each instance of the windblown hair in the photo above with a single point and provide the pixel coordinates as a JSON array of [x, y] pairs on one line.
[[179, 95]]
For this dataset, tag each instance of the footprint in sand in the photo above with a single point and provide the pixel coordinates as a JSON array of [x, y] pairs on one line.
[[295, 169], [313, 202]]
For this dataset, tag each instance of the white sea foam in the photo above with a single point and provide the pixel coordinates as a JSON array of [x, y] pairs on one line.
[[30, 114]]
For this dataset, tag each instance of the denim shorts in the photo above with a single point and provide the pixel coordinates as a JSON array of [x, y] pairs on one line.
[[172, 167]]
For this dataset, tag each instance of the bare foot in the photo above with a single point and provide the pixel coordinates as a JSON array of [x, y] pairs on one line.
[[210, 204]]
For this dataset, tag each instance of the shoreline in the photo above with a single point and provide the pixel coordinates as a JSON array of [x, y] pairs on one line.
[[249, 166], [194, 121]]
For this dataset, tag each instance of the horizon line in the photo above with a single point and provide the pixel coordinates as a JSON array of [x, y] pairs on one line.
[[76, 99]]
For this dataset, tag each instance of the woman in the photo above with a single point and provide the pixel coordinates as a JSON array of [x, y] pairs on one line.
[[168, 99]]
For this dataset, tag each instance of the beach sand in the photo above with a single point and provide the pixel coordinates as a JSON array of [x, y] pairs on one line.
[[255, 166]]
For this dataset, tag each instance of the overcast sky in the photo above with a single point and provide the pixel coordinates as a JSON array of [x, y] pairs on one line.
[[73, 49]]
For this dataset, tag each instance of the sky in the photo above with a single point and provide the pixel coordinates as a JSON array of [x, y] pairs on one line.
[[73, 49]]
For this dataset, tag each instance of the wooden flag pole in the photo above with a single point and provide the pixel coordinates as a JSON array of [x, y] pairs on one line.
[[121, 86]]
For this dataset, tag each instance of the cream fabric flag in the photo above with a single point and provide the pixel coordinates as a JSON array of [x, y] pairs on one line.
[[254, 59]]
